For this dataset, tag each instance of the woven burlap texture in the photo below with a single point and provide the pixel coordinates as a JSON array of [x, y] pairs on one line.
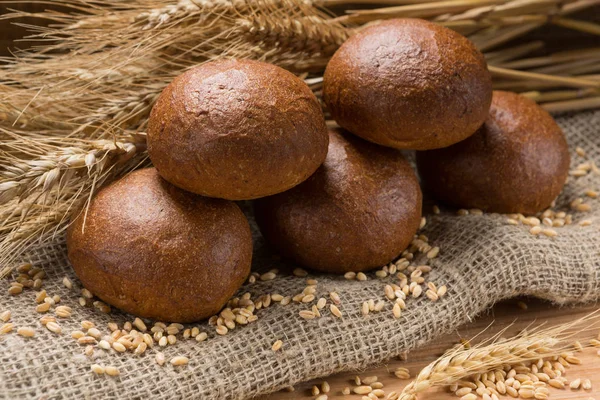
[[482, 260]]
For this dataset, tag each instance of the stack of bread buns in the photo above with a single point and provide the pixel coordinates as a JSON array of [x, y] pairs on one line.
[[169, 242]]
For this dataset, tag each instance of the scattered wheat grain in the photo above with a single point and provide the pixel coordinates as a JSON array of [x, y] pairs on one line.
[[402, 373], [5, 316], [97, 369], [53, 327], [335, 310], [112, 371], [299, 272], [536, 230], [179, 360], [277, 345], [67, 282], [364, 389]]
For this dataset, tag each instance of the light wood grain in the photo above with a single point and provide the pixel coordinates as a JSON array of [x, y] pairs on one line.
[[502, 315]]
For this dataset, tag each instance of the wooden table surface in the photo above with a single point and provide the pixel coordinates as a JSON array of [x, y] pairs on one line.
[[504, 314]]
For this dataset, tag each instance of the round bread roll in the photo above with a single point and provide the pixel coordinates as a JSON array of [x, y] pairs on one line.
[[359, 211], [159, 252], [408, 84], [237, 130], [517, 162]]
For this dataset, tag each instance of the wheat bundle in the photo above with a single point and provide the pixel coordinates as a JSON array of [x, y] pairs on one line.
[[73, 108]]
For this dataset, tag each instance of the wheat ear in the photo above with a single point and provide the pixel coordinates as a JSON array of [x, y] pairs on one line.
[[460, 363]]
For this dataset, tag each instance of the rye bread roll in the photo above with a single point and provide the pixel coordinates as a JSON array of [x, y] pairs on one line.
[[237, 130], [359, 211], [408, 84], [517, 162], [156, 251]]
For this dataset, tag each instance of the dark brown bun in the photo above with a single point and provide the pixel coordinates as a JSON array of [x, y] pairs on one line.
[[359, 211], [517, 162], [237, 130], [159, 252], [408, 84]]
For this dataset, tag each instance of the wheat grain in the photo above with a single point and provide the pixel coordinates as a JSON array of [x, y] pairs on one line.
[[365, 308], [87, 324], [103, 344], [53, 327], [5, 316], [97, 369], [321, 303], [26, 331], [15, 290], [299, 272], [335, 298], [119, 347], [277, 345], [140, 325], [350, 275], [63, 311], [179, 360], [112, 371], [402, 373], [268, 276], [87, 340], [335, 310], [363, 389], [6, 328]]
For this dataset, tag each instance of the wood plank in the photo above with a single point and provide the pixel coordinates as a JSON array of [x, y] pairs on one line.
[[501, 316]]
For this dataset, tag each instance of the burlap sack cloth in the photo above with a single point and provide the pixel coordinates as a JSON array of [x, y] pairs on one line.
[[482, 260]]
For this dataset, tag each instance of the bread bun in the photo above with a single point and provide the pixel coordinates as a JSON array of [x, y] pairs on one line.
[[517, 162], [408, 84], [359, 211], [237, 130], [156, 251]]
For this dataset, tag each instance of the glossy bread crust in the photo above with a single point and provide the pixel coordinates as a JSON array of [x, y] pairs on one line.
[[408, 84], [359, 211], [517, 162], [158, 252], [237, 130]]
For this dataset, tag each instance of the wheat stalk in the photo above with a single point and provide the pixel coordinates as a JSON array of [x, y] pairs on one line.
[[39, 194], [95, 91], [460, 363]]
